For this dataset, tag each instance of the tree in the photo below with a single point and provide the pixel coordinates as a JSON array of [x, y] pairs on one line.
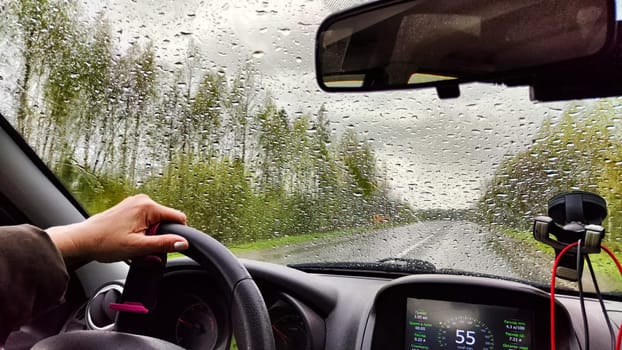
[[205, 110], [360, 162], [136, 78], [46, 33], [576, 154], [214, 194], [273, 140], [241, 107]]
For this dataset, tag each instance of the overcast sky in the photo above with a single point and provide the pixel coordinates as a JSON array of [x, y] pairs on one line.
[[437, 153]]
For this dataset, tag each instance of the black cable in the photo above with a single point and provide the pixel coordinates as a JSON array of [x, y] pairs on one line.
[[600, 300], [586, 329]]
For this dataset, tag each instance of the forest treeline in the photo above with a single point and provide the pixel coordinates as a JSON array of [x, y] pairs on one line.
[[581, 151], [114, 122]]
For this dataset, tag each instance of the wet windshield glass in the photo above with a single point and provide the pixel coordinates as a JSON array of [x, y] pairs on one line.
[[212, 107]]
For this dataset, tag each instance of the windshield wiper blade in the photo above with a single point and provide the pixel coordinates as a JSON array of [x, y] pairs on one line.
[[384, 267], [417, 264]]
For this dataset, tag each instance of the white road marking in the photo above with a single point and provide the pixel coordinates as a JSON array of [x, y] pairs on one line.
[[407, 250]]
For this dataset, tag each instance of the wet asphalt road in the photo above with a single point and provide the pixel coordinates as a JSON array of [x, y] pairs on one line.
[[459, 245]]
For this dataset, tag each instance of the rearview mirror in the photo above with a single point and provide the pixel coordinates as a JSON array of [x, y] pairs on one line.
[[419, 43]]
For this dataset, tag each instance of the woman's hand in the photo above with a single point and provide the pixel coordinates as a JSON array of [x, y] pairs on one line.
[[119, 232]]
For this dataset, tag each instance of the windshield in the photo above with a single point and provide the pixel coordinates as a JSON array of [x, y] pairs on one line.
[[212, 107]]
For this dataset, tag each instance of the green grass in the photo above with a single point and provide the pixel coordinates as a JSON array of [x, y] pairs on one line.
[[294, 240], [526, 237], [606, 271]]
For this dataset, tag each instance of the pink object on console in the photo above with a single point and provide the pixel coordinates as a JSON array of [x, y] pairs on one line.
[[129, 306]]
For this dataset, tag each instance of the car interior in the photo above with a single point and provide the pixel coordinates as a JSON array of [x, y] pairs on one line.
[[211, 299]]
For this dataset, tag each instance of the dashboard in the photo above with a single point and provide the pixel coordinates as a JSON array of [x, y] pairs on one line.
[[312, 311]]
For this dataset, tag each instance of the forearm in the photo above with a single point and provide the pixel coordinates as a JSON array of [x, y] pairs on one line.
[[65, 238]]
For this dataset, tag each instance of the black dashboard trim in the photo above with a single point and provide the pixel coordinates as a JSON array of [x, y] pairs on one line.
[[307, 287], [41, 166], [314, 324]]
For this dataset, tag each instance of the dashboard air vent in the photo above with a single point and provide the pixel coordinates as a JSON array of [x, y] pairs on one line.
[[99, 316]]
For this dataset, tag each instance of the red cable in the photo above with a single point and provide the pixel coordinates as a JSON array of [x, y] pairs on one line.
[[568, 247], [613, 257]]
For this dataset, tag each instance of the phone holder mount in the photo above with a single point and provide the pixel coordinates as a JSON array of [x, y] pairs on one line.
[[572, 216]]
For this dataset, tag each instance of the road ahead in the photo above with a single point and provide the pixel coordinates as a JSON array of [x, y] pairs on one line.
[[446, 244]]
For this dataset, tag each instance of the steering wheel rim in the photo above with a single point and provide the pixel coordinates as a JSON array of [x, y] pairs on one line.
[[249, 315]]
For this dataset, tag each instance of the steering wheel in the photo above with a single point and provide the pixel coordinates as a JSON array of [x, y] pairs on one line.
[[249, 315]]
